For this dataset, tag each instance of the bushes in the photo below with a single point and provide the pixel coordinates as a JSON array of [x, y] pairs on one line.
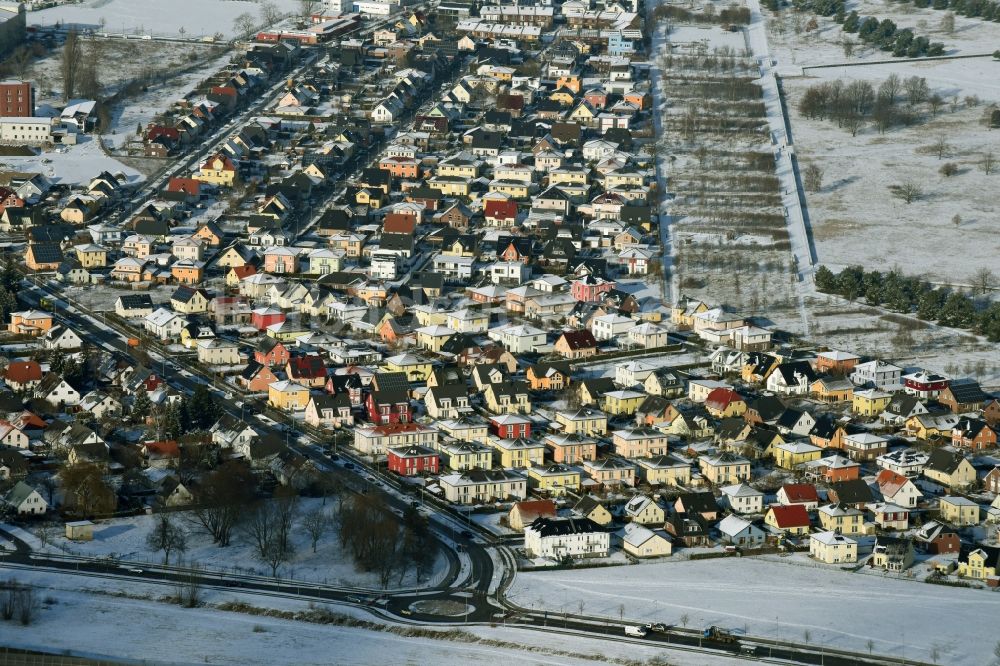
[[887, 36], [912, 295]]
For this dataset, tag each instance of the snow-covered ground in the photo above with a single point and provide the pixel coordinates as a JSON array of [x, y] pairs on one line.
[[157, 17], [171, 634], [783, 600], [125, 538], [76, 164]]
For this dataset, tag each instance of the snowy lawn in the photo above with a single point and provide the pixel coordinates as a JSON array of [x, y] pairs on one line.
[[126, 539], [78, 164], [783, 600], [158, 18], [250, 640]]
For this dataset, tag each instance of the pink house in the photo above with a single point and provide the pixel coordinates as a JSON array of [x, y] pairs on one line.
[[589, 288], [281, 260]]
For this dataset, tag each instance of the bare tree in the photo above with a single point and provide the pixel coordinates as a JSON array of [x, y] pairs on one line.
[[812, 177], [243, 25], [988, 163], [891, 88], [21, 60], [72, 57], [221, 500], [316, 523], [936, 102], [8, 600], [308, 7], [269, 13], [848, 45], [983, 281], [908, 191], [940, 147], [917, 90], [27, 605], [275, 553], [685, 619], [167, 536], [621, 612], [956, 220], [870, 644]]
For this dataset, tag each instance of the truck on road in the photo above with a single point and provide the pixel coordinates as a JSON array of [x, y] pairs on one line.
[[639, 632]]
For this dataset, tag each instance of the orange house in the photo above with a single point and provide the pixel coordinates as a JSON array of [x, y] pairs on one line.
[[30, 322], [209, 233], [571, 81], [187, 272], [642, 100], [257, 378], [547, 377], [43, 256], [401, 167]]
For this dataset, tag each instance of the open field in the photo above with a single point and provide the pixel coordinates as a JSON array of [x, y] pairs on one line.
[[197, 18], [783, 600], [205, 635], [78, 164]]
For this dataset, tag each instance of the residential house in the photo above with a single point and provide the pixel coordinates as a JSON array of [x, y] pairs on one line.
[[477, 486], [562, 538], [741, 498], [833, 548]]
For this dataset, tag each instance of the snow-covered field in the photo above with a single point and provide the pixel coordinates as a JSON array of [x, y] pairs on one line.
[[157, 17], [125, 539], [171, 634], [78, 164], [780, 599]]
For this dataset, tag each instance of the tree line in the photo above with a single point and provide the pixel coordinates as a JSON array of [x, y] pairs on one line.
[[984, 9], [914, 295], [730, 16], [853, 104]]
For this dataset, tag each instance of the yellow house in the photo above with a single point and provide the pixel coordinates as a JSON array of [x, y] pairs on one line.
[[929, 426], [870, 402], [218, 170], [286, 331], [959, 511], [790, 455], [611, 471], [518, 452], [664, 471], [455, 168], [554, 479], [792, 519], [433, 337], [507, 398], [415, 368], [585, 421], [455, 187], [832, 390], [950, 469], [567, 177], [641, 541], [623, 179], [841, 518], [590, 507], [564, 97], [725, 468], [30, 322], [514, 188], [91, 256], [682, 313], [287, 396], [465, 429], [980, 564], [623, 402], [833, 548], [583, 113]]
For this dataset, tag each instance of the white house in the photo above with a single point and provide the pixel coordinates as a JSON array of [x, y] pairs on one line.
[[634, 373], [610, 326], [740, 532], [216, 351], [25, 500], [475, 486], [648, 335], [741, 498], [519, 339], [60, 337], [164, 324], [879, 374], [566, 537], [833, 548]]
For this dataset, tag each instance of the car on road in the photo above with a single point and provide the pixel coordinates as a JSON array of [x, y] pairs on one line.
[[638, 632], [355, 599], [135, 570], [658, 627], [333, 456], [406, 611]]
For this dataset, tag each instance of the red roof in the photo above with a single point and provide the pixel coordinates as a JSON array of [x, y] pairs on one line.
[[793, 515], [167, 447], [535, 508], [800, 492], [722, 397], [246, 270], [309, 366], [502, 210], [24, 371], [398, 223], [187, 185], [890, 482]]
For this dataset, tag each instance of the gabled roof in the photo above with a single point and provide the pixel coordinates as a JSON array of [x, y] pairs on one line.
[[793, 515]]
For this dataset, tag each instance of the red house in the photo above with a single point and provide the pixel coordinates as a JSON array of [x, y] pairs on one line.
[[9, 199], [308, 370], [388, 406], [271, 352], [974, 434], [924, 384], [413, 460], [590, 288], [510, 426], [261, 318], [500, 213], [399, 223]]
